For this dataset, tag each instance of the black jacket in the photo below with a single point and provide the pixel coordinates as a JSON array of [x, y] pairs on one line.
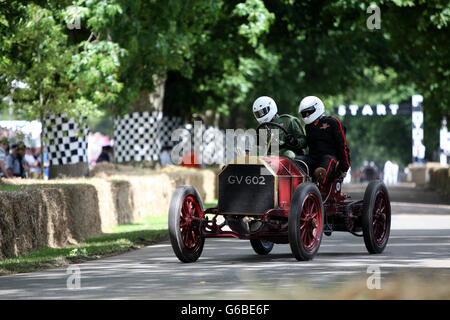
[[326, 136]]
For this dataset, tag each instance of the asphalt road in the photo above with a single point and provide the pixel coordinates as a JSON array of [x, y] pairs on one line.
[[228, 268]]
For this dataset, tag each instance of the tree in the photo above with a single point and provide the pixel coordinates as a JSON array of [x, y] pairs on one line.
[[226, 63], [159, 36], [59, 78]]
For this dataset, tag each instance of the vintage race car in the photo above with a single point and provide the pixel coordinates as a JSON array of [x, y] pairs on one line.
[[271, 200]]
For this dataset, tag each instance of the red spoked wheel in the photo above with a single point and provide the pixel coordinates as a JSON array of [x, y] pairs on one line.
[[376, 218], [310, 222], [305, 225], [185, 218], [190, 223]]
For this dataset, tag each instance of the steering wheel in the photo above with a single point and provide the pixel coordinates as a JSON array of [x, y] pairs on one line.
[[267, 124]]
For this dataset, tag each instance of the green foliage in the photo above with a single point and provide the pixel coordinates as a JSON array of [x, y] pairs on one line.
[[59, 78], [259, 19], [378, 139], [36, 58], [227, 63], [158, 36]]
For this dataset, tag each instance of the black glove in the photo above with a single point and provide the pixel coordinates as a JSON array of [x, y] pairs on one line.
[[290, 140]]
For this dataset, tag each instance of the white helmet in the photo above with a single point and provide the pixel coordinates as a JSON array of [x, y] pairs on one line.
[[311, 108], [264, 109]]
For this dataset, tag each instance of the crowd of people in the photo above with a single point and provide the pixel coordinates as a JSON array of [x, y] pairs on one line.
[[20, 161]]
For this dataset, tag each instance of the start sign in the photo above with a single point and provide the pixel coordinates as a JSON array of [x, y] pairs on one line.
[[415, 109]]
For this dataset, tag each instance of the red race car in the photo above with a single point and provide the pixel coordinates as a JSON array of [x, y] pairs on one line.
[[271, 200]]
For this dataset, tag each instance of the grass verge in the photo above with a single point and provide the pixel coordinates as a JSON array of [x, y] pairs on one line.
[[12, 187]]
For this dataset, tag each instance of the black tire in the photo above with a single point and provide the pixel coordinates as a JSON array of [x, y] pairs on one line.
[[301, 201], [376, 217], [262, 247], [185, 253]]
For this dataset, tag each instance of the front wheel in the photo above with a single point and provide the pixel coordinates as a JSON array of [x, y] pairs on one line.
[[305, 224], [376, 217], [185, 216]]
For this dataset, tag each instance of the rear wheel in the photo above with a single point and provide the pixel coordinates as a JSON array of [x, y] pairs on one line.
[[305, 224], [185, 216], [261, 247], [376, 218]]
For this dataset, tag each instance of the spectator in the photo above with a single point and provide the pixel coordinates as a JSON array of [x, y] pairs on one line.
[[32, 163], [14, 161], [3, 153], [106, 155]]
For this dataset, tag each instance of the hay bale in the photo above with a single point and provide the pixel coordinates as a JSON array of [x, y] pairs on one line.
[[123, 201], [80, 169], [47, 217], [106, 202], [151, 195], [440, 179], [83, 216], [16, 222], [103, 169], [52, 226], [58, 212]]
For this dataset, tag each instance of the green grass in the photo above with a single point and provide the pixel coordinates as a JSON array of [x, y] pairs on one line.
[[12, 187], [149, 223]]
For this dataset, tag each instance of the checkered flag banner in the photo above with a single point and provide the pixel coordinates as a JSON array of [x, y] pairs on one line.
[[67, 142], [139, 136], [167, 126]]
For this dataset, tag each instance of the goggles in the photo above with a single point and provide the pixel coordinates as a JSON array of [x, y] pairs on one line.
[[307, 112], [261, 113]]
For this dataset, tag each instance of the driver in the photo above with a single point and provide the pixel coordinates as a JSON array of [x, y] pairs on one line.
[[326, 140], [265, 110]]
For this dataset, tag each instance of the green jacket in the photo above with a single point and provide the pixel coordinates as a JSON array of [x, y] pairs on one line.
[[293, 127]]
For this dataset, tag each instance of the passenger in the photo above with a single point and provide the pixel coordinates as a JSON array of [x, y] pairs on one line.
[[291, 145], [326, 141]]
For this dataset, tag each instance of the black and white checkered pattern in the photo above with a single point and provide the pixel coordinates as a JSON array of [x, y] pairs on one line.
[[139, 137], [136, 137], [67, 141], [167, 126]]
